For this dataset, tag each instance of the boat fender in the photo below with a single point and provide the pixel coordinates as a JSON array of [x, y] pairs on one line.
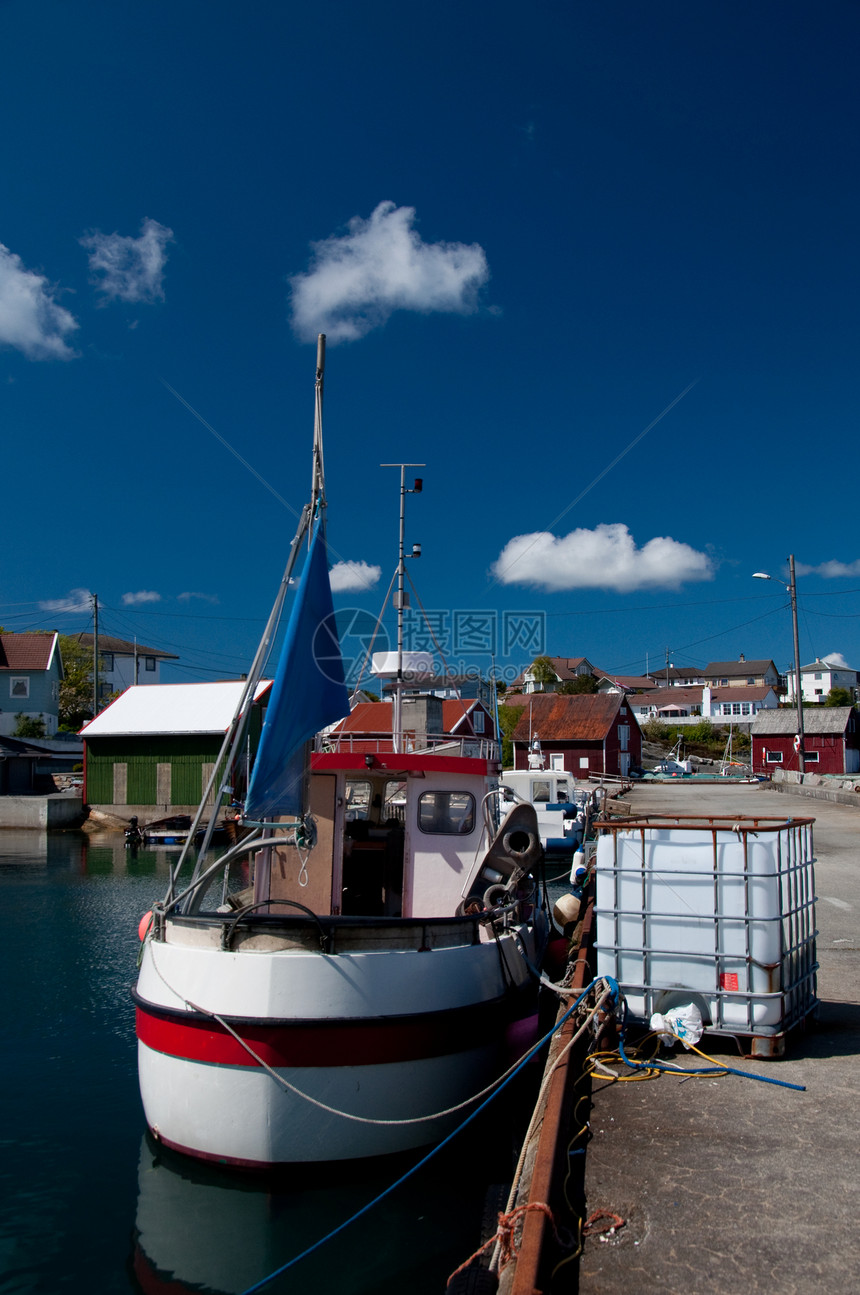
[[145, 924], [518, 844], [496, 895]]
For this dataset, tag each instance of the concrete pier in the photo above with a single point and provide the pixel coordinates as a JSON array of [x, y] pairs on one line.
[[41, 812]]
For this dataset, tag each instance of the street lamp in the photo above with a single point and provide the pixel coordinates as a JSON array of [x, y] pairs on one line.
[[798, 697]]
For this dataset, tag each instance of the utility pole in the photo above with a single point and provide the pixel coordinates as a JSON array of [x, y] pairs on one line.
[[95, 655], [792, 589]]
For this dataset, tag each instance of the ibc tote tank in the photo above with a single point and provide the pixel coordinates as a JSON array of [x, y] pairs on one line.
[[719, 912]]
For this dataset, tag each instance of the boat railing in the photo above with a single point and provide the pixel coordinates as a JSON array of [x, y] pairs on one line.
[[476, 748]]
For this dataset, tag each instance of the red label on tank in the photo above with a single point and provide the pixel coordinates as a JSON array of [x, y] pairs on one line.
[[729, 980]]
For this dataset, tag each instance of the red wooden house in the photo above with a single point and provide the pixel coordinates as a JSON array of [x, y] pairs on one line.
[[831, 740], [588, 735], [427, 720]]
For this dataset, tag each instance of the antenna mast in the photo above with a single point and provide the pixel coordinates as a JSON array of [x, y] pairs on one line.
[[401, 598]]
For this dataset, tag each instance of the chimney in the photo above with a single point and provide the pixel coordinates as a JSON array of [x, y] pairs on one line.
[[741, 659]]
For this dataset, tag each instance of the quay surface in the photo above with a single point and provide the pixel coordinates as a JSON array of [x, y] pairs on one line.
[[723, 1183]]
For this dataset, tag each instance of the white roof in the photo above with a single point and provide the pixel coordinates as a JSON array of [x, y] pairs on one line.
[[172, 708]]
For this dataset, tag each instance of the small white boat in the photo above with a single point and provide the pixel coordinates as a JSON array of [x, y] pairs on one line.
[[561, 808], [347, 979]]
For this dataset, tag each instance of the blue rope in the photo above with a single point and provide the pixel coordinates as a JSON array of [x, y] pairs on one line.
[[421, 1163], [704, 1070]]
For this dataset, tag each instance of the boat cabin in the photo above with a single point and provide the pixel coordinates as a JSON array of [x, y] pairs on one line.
[[397, 835]]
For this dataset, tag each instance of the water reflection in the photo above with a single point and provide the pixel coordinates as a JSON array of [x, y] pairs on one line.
[[203, 1229]]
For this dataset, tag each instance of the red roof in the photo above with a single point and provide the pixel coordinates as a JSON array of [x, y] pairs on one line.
[[376, 716], [26, 651], [582, 718]]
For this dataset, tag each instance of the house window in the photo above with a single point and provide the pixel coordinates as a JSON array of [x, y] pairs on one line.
[[478, 721], [745, 708], [750, 679], [810, 757], [556, 762], [727, 708], [623, 710], [583, 762], [724, 683], [773, 757], [446, 812], [19, 686], [736, 708], [107, 662], [150, 662], [817, 674]]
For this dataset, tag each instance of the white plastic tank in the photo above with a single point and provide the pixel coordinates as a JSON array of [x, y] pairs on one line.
[[716, 912]]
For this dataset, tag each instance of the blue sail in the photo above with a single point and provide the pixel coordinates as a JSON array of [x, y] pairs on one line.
[[309, 692]]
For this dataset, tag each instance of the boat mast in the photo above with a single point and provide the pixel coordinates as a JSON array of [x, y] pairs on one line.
[[401, 598], [318, 502]]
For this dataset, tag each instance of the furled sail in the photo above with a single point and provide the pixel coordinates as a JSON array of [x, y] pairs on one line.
[[309, 692]]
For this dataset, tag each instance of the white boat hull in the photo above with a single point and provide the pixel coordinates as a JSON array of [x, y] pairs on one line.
[[385, 1035]]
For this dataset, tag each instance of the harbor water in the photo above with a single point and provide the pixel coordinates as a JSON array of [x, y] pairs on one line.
[[90, 1203]]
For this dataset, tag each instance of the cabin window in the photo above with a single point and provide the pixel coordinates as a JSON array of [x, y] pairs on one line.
[[540, 790], [446, 812], [357, 800], [773, 757], [394, 802], [810, 757], [19, 686]]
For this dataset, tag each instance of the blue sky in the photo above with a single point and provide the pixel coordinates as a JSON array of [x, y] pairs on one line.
[[595, 265]]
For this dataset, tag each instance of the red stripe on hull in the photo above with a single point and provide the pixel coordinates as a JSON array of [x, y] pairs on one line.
[[325, 1043]]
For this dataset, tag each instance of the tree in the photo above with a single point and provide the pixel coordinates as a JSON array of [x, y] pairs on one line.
[[30, 726], [839, 697], [76, 688], [583, 683], [542, 670], [509, 717]]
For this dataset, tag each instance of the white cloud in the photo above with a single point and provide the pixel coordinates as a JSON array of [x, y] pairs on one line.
[[126, 268], [829, 570], [836, 659], [346, 576], [79, 600], [144, 596], [605, 558], [188, 595], [358, 280], [30, 318]]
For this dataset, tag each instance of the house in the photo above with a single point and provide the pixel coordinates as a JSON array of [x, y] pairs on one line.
[[31, 670], [588, 735], [722, 706], [742, 674], [449, 687], [151, 752], [625, 683], [817, 680], [122, 664], [426, 719], [831, 741], [564, 669]]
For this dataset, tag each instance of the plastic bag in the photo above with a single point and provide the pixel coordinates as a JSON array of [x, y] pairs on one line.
[[684, 1023]]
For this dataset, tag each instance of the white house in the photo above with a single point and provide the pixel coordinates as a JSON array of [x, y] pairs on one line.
[[721, 706], [817, 679], [122, 664]]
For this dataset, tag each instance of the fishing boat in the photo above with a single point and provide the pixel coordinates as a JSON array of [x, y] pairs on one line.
[[350, 977]]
